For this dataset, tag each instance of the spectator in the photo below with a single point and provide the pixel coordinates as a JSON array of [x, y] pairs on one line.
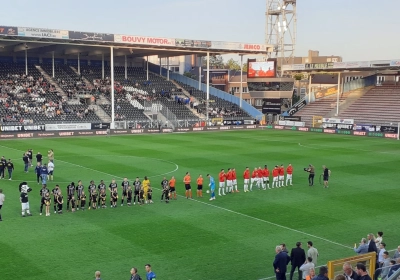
[[371, 243], [397, 253], [349, 273], [311, 275], [150, 275], [97, 275], [362, 272], [362, 248], [306, 267], [382, 250], [379, 239], [395, 265], [385, 265], [323, 274]]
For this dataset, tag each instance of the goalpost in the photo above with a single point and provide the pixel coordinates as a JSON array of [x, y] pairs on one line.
[[335, 267]]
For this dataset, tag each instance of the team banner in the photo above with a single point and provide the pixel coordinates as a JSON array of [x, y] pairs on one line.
[[90, 36], [8, 30], [192, 43], [297, 107], [43, 33], [68, 126], [140, 40]]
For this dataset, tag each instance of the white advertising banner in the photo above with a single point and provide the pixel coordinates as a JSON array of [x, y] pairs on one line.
[[68, 126], [43, 33], [338, 121], [140, 40], [238, 46], [292, 123]]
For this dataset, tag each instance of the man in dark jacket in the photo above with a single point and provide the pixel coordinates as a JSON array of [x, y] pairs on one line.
[[298, 258], [371, 243], [280, 263], [349, 273], [323, 274]]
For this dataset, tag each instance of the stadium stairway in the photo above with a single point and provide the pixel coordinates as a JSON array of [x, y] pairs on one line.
[[48, 78], [83, 77], [352, 97], [101, 113]]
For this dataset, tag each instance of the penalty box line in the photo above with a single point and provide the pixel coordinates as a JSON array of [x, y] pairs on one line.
[[215, 206]]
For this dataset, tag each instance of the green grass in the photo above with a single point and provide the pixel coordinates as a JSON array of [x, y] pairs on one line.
[[231, 238]]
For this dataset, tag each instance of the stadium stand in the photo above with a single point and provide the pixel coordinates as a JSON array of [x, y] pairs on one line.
[[217, 106], [378, 106]]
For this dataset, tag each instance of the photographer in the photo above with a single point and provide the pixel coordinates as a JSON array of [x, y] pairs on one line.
[[310, 169]]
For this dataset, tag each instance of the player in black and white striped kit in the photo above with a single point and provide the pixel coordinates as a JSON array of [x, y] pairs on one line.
[[43, 192], [124, 185], [79, 191], [101, 187], [55, 192], [113, 187], [71, 196], [136, 192]]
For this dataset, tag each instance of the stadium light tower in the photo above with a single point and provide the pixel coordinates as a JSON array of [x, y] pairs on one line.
[[280, 30]]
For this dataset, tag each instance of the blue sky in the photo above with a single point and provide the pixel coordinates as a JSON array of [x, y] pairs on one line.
[[354, 29]]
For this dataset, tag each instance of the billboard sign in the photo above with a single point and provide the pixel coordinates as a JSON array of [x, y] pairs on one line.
[[140, 40], [43, 33], [192, 43], [8, 30], [90, 36]]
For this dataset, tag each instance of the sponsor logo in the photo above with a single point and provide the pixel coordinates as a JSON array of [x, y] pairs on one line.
[[120, 131], [137, 131], [331, 131], [167, 130], [211, 128], [279, 127], [145, 40], [390, 135], [252, 47], [224, 128], [251, 126], [46, 134], [183, 129], [102, 132], [199, 128], [360, 133], [238, 127], [7, 135], [303, 129], [85, 133], [24, 135], [68, 133], [153, 130]]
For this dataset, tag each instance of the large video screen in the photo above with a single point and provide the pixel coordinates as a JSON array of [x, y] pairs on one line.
[[261, 69]]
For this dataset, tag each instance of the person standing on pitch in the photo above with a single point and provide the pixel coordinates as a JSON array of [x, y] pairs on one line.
[[326, 174], [311, 170], [280, 263], [298, 258], [246, 179], [289, 175], [150, 275], [39, 158], [221, 182], [212, 186], [50, 167], [50, 155], [38, 172], [2, 199], [10, 169], [44, 172], [312, 252], [188, 188], [30, 155], [2, 167], [25, 159]]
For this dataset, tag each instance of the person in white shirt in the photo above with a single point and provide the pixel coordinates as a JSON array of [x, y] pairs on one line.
[[382, 249], [379, 239], [2, 198], [306, 267], [50, 168]]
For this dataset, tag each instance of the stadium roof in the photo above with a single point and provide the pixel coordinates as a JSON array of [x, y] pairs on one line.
[[43, 40]]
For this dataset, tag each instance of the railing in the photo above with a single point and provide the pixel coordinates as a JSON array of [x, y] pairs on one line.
[[213, 91], [359, 83]]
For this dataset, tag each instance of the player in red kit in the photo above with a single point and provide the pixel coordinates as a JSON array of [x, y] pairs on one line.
[[259, 177], [253, 178], [289, 174], [229, 178], [281, 176], [234, 181], [221, 176], [266, 177], [246, 179], [275, 174]]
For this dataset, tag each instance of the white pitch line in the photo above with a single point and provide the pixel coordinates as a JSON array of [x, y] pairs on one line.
[[218, 207]]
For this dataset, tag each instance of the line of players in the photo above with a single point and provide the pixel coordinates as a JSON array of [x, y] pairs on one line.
[[140, 192], [259, 177]]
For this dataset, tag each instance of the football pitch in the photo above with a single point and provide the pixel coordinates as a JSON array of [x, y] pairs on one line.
[[233, 237]]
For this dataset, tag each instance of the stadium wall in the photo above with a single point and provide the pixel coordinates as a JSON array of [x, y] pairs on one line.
[[359, 83], [256, 114]]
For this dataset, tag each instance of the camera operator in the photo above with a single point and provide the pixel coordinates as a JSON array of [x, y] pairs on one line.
[[310, 169]]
